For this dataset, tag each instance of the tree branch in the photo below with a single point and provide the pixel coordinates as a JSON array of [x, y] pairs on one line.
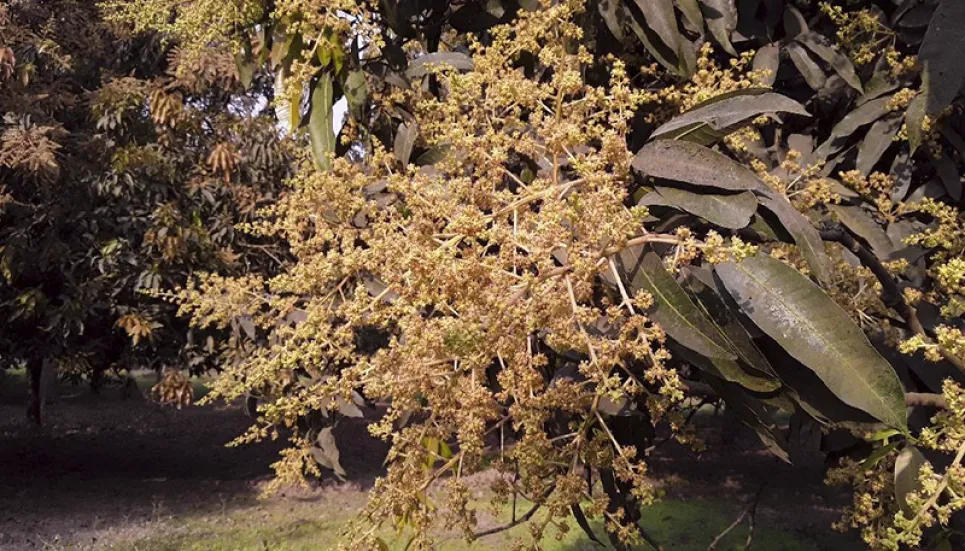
[[751, 509], [890, 292]]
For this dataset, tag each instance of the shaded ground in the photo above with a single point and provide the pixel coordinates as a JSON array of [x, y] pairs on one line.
[[108, 473]]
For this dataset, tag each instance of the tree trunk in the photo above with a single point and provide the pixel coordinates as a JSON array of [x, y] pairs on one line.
[[35, 405]]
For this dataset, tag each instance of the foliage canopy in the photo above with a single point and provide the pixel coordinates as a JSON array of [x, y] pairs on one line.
[[546, 226]]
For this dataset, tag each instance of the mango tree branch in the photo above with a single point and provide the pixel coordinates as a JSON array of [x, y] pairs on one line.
[[890, 292]]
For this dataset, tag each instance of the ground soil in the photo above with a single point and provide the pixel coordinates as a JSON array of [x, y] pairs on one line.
[[104, 470]]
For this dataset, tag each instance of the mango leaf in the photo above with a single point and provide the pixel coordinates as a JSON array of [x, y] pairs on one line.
[[320, 130], [878, 139], [907, 465], [420, 67], [729, 370], [794, 22], [816, 331], [672, 308], [810, 70], [878, 454], [880, 83], [865, 114], [670, 59], [325, 452], [691, 11], [768, 58], [613, 14], [722, 115], [356, 93], [660, 17], [582, 522], [752, 413], [861, 224], [948, 173], [404, 141], [721, 18], [694, 164], [823, 48], [806, 237], [943, 72], [727, 211], [704, 290]]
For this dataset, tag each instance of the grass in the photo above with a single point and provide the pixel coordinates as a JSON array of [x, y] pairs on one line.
[[283, 526]]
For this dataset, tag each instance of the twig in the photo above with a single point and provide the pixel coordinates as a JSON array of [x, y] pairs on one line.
[[526, 516], [749, 510], [890, 293], [925, 399]]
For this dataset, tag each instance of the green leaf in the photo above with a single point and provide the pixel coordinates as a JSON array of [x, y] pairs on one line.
[[672, 308], [810, 70], [613, 14], [721, 18], [940, 55], [694, 164], [405, 140], [662, 53], [878, 454], [768, 58], [719, 116], [356, 94], [752, 413], [691, 11], [794, 22], [582, 522], [865, 114], [660, 17], [320, 130], [948, 173], [817, 332], [907, 465], [456, 60], [726, 211], [878, 139], [326, 452], [729, 370], [863, 225], [704, 289], [824, 49]]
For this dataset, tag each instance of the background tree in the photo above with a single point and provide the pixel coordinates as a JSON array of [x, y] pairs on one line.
[[123, 167], [551, 224]]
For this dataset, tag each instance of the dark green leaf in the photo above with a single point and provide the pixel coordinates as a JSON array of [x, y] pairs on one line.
[[404, 141], [724, 115], [863, 115], [878, 139], [948, 174], [320, 129], [878, 454], [694, 164], [825, 50], [752, 413], [940, 55], [721, 18], [326, 452], [356, 94], [726, 211], [907, 465], [660, 17], [794, 22], [672, 309], [814, 329], [768, 58], [863, 225], [613, 14], [582, 522], [691, 11], [810, 70], [456, 60]]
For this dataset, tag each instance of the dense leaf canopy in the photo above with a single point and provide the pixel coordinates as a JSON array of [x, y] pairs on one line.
[[547, 226]]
